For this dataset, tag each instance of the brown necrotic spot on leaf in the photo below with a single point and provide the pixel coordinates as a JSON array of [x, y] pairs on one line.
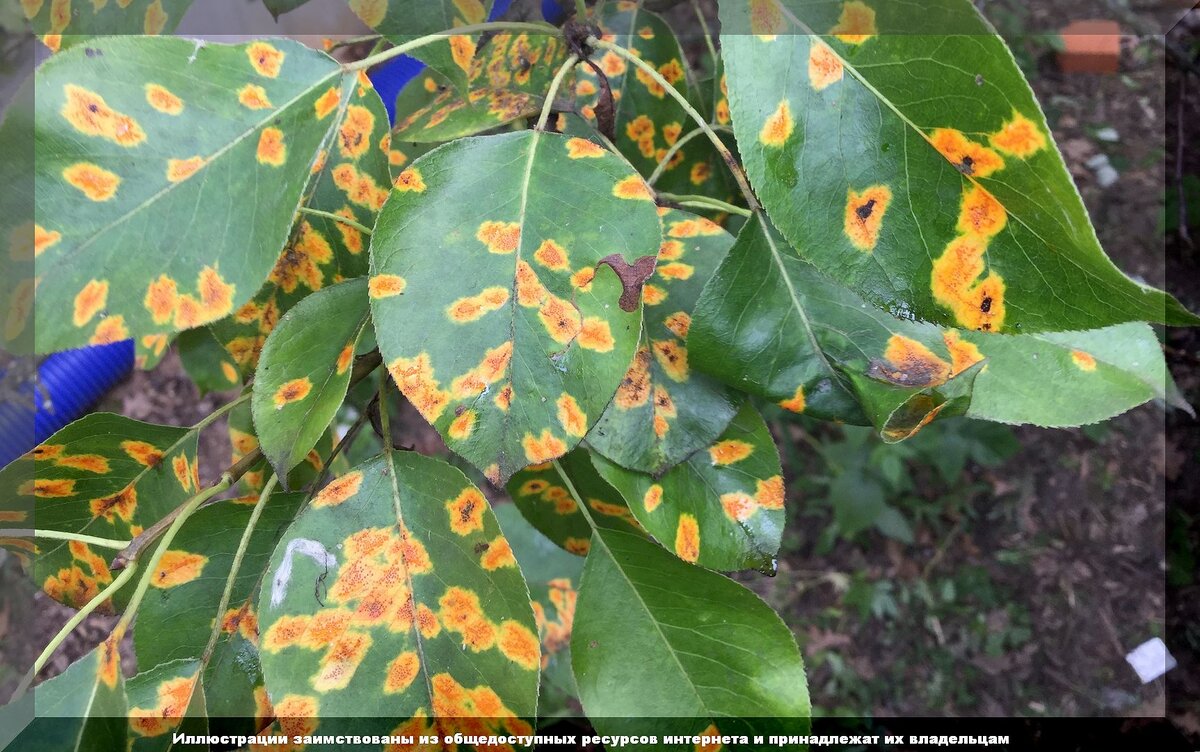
[[1084, 361], [633, 277], [865, 212], [687, 538], [161, 99], [271, 148], [339, 490], [778, 127], [856, 24], [254, 97], [909, 363], [93, 181], [178, 567], [824, 66], [1019, 137], [265, 58]]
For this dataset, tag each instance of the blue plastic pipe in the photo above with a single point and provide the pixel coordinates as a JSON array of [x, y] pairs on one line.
[[68, 385]]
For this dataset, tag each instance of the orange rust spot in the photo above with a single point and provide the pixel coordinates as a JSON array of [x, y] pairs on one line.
[[769, 493], [161, 298], [584, 88], [475, 307], [466, 511], [519, 645], [230, 373], [265, 58], [172, 699], [498, 554], [345, 358], [490, 370], [580, 148], [560, 318], [981, 213], [595, 334], [967, 156], [653, 497], [552, 256], [1019, 137], [47, 488], [462, 50], [143, 452], [857, 23], [110, 659], [292, 391], [45, 451], [571, 416], [635, 387], [155, 19], [179, 465], [577, 546], [341, 661], [612, 64], [677, 270], [633, 188], [766, 18], [176, 568], [371, 12], [325, 627], [976, 305], [53, 42], [678, 323], [738, 506], [582, 279], [427, 622], [271, 148], [796, 402], [499, 237], [673, 358], [288, 631], [242, 620], [687, 538], [339, 490], [89, 114], [386, 285], [462, 426], [410, 181], [963, 354], [824, 66], [460, 612], [864, 215], [778, 127], [1083, 360], [654, 87], [44, 239], [327, 103], [910, 363], [543, 448], [91, 300], [415, 378], [730, 451], [301, 261], [182, 169], [401, 673], [297, 715], [671, 250], [110, 329], [530, 291], [351, 237], [690, 228], [95, 182], [700, 173], [354, 135], [254, 97], [161, 99]]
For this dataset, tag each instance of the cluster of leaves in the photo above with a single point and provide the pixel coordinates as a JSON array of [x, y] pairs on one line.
[[587, 309]]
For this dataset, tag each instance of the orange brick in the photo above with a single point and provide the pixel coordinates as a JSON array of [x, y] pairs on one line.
[[1090, 46]]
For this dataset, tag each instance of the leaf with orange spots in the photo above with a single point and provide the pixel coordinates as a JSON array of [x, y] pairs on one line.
[[313, 344], [673, 645], [553, 579], [161, 698], [106, 476], [722, 507], [405, 615], [664, 409], [206, 361], [105, 146], [648, 120], [922, 175], [80, 21], [507, 79], [544, 499], [554, 337], [770, 324], [243, 439]]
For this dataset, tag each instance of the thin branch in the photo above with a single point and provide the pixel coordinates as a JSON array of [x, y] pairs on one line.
[[705, 202], [91, 540], [337, 218], [554, 86]]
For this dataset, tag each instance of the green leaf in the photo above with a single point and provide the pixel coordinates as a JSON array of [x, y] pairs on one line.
[[553, 579], [83, 708], [664, 409], [395, 594], [215, 141], [106, 476], [649, 121], [508, 80], [403, 18], [531, 215], [207, 363], [542, 496], [279, 7], [686, 643], [304, 371], [921, 174], [353, 182], [103, 17], [721, 508], [243, 440], [772, 325]]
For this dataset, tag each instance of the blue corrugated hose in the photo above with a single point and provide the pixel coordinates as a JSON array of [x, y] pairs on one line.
[[393, 75], [69, 383]]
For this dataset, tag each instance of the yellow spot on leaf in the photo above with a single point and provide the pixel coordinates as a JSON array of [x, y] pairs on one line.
[[967, 156], [466, 511], [687, 538], [653, 497], [673, 359], [1083, 360], [462, 426], [499, 237], [561, 319], [161, 99], [577, 546], [796, 402], [110, 329], [386, 285], [327, 103], [339, 490], [824, 66], [490, 370], [543, 448], [498, 554], [676, 270], [571, 416], [52, 41], [678, 323], [265, 58], [182, 169], [254, 97], [475, 307], [91, 300], [981, 213], [271, 148], [769, 493], [89, 114], [963, 354], [864, 215], [462, 50], [519, 645], [976, 305], [176, 568], [155, 19], [738, 506], [633, 188], [730, 451], [581, 148], [595, 334], [778, 127], [95, 182], [857, 23], [292, 391], [142, 452], [415, 378], [1019, 137], [179, 465], [401, 673], [410, 181]]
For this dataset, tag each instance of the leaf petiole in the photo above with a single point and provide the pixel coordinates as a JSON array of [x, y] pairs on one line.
[[337, 218], [91, 540], [705, 202], [398, 50], [570, 63]]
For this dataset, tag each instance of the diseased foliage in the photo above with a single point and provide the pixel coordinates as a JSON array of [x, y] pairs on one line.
[[550, 256]]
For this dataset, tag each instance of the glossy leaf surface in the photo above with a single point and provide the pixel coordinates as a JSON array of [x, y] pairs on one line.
[[722, 507], [395, 594], [399, 18], [103, 17], [304, 371], [917, 169], [159, 699], [665, 409], [212, 140], [106, 476], [514, 361]]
